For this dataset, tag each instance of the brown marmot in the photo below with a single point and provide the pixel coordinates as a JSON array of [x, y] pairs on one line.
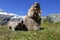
[[33, 20]]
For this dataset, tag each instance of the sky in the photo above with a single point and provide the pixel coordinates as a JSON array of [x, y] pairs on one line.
[[21, 7]]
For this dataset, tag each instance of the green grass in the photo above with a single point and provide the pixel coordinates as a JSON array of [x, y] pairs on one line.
[[51, 31]]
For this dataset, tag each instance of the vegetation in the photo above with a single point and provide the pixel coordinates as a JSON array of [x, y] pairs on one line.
[[48, 31]]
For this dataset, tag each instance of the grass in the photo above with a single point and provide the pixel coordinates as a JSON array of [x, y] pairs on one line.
[[51, 31]]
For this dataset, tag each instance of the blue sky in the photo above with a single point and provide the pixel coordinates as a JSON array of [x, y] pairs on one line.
[[20, 7]]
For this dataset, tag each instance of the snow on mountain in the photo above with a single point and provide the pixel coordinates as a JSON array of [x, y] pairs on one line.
[[12, 15], [3, 13]]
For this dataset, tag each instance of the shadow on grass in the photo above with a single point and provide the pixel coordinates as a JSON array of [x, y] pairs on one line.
[[22, 28], [41, 28], [25, 29]]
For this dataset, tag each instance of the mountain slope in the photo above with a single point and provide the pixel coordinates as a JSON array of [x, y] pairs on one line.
[[5, 17]]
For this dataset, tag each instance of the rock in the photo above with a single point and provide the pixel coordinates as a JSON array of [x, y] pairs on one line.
[[53, 18]]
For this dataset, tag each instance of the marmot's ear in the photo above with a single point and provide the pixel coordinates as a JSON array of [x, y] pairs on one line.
[[36, 3]]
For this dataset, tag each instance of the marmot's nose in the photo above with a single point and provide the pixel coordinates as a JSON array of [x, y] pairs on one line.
[[35, 13]]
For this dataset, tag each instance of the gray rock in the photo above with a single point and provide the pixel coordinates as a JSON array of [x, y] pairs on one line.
[[53, 18]]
